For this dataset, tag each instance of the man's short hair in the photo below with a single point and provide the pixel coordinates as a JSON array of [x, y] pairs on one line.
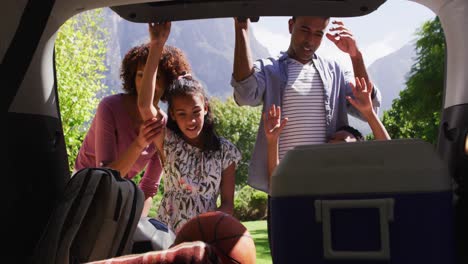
[[353, 131]]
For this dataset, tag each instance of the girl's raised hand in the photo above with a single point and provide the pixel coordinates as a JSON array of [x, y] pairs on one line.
[[159, 31], [362, 92], [272, 123]]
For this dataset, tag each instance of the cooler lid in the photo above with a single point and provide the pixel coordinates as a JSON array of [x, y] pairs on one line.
[[393, 166]]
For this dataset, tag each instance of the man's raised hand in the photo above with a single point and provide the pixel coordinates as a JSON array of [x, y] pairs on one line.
[[343, 38]]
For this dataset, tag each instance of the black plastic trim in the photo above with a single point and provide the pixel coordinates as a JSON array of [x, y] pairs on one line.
[[451, 144], [37, 172], [453, 134], [192, 9], [23, 46]]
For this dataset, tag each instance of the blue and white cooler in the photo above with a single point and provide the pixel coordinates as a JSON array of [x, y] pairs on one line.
[[366, 202]]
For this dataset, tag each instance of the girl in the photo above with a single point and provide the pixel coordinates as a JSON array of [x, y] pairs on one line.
[[118, 138], [274, 124], [198, 165], [362, 101]]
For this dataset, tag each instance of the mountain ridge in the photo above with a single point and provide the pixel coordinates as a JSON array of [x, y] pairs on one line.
[[209, 47], [389, 73]]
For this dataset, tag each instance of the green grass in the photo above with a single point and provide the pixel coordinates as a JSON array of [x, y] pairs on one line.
[[258, 230]]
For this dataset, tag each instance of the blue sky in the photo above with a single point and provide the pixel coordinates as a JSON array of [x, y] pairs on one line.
[[382, 32]]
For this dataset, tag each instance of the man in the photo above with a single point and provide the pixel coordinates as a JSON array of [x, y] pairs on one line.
[[310, 90]]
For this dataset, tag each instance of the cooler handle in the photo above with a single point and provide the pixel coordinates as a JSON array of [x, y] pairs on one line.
[[322, 214]]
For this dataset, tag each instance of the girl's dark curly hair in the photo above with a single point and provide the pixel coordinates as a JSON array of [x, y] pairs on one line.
[[172, 64], [353, 131], [184, 86]]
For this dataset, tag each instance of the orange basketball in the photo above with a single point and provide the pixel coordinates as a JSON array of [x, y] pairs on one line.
[[230, 239]]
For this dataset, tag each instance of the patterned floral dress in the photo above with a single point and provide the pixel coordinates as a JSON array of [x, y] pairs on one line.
[[192, 179]]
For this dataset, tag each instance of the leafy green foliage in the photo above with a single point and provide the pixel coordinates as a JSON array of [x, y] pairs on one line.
[[157, 197], [80, 50], [239, 125], [250, 204], [416, 114], [156, 202]]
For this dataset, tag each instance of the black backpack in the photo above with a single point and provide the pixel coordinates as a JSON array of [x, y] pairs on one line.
[[94, 220]]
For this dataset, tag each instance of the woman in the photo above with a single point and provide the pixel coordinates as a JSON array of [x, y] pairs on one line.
[[118, 138]]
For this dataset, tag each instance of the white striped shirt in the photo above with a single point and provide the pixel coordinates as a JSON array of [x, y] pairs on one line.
[[303, 105]]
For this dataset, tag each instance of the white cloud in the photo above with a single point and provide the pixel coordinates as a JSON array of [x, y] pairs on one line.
[[377, 48], [371, 52], [274, 42], [328, 50]]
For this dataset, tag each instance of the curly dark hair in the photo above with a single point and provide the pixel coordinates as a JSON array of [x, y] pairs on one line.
[[135, 56], [353, 131], [184, 86], [172, 64]]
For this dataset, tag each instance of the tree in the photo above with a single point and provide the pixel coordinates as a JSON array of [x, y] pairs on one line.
[[416, 114], [80, 50], [239, 125]]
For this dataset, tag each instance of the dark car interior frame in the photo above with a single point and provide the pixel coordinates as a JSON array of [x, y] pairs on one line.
[[37, 169]]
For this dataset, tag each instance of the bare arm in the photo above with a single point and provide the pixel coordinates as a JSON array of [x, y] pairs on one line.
[[147, 206], [345, 41], [273, 125], [150, 181], [363, 102], [243, 63], [146, 99], [378, 129], [147, 103], [228, 177], [273, 158], [359, 67]]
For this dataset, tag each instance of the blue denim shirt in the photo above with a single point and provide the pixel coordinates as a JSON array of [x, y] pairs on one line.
[[266, 86]]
